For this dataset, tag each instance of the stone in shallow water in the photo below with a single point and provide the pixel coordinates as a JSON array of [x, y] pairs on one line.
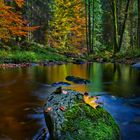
[[78, 121], [78, 61], [77, 80], [61, 84]]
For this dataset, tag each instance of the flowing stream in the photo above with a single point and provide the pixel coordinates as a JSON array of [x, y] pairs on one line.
[[23, 91]]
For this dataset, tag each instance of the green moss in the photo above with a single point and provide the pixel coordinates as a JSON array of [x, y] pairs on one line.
[[84, 122]]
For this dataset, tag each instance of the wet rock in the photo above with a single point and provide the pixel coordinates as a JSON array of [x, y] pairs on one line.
[[137, 65], [68, 117], [50, 63], [77, 80], [58, 90], [34, 64]]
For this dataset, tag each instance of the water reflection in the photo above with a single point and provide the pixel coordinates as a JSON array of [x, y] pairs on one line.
[[24, 91]]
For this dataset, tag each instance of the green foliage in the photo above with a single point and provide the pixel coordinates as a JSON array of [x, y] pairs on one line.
[[17, 56], [98, 21], [35, 53], [129, 53]]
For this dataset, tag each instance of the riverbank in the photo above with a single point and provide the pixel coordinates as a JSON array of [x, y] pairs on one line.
[[125, 60], [17, 57], [124, 57], [44, 56]]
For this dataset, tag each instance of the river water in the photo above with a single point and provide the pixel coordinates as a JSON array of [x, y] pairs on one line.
[[23, 92]]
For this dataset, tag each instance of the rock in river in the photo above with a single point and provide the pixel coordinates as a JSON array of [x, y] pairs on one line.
[[69, 118], [77, 80], [60, 84], [78, 61]]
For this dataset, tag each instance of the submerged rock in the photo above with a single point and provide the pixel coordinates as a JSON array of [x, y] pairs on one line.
[[69, 118], [77, 80], [61, 84]]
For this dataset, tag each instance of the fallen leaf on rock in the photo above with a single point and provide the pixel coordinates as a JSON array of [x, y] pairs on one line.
[[48, 109], [91, 101], [64, 92], [62, 108]]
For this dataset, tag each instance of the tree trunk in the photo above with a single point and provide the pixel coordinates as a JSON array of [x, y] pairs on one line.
[[138, 30], [115, 24], [123, 26], [92, 30], [131, 19], [89, 25], [86, 18]]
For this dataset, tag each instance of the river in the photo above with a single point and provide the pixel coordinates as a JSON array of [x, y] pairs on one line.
[[23, 92]]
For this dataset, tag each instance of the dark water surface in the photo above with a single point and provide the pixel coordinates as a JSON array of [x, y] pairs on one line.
[[23, 92]]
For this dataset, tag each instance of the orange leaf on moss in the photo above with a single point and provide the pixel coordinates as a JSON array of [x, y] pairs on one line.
[[91, 101]]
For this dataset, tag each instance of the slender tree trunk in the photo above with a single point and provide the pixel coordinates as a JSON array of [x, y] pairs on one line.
[[92, 34], [124, 25], [138, 30], [119, 14], [89, 24], [86, 17], [115, 23], [131, 18]]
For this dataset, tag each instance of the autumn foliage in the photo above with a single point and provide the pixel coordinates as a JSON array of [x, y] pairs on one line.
[[11, 21], [67, 24]]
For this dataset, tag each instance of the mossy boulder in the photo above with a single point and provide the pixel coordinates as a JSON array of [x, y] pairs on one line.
[[69, 118]]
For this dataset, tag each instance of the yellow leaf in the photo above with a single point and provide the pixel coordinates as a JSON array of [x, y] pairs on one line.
[[91, 101]]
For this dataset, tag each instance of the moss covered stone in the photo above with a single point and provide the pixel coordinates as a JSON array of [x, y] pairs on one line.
[[84, 122], [78, 121]]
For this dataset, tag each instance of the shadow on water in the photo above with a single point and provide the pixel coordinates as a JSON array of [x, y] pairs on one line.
[[23, 92]]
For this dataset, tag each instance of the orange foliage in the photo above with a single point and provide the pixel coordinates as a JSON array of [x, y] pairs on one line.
[[11, 22]]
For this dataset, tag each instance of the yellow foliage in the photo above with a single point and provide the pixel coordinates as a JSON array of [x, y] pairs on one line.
[[67, 26]]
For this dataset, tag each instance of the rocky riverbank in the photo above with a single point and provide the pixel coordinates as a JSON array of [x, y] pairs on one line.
[[69, 117], [15, 65]]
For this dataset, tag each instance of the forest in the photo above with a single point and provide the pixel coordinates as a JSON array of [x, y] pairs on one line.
[[70, 69], [87, 29]]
